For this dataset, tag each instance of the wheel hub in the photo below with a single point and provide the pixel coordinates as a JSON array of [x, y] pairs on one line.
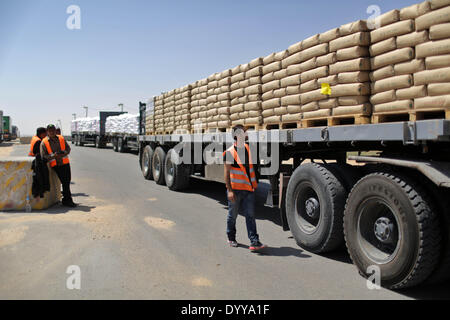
[[312, 208], [384, 229]]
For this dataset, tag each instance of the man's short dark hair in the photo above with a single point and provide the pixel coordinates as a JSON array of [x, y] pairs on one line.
[[40, 131], [51, 126]]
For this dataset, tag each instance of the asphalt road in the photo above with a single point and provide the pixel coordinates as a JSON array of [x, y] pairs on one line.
[[133, 239]]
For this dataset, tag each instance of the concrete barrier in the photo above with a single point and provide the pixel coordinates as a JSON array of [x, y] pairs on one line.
[[16, 179]]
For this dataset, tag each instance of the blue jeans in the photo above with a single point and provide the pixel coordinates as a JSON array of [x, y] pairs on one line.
[[244, 202]]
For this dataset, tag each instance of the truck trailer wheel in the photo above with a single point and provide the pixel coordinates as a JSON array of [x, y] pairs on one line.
[[77, 141], [97, 142], [390, 223], [158, 163], [146, 163], [121, 146], [176, 175], [315, 201]]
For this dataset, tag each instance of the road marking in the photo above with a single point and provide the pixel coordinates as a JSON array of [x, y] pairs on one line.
[[152, 199], [201, 282], [11, 236], [159, 223]]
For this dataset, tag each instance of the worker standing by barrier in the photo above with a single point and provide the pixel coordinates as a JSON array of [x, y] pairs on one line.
[[41, 182], [241, 183], [56, 151]]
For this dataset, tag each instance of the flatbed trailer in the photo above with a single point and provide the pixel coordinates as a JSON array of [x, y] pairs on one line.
[[390, 207], [124, 142]]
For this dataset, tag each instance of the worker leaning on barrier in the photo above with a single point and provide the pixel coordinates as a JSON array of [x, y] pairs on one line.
[[41, 183], [55, 150]]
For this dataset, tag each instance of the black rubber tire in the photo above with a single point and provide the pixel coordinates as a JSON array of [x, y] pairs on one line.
[[114, 143], [158, 163], [72, 141], [97, 142], [177, 176], [147, 156], [80, 143], [348, 175], [77, 141], [417, 254], [331, 194], [120, 146]]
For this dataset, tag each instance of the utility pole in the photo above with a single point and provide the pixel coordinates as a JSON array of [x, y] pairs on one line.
[[86, 108], [121, 107]]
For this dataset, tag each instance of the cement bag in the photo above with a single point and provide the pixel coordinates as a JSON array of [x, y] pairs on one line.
[[273, 119], [255, 63], [352, 100], [440, 31], [236, 93], [224, 89], [223, 123], [278, 75], [363, 109], [291, 100], [292, 59], [305, 66], [237, 108], [329, 35], [223, 96], [392, 30], [235, 86], [291, 81], [397, 82], [412, 39], [315, 95], [254, 81], [382, 73], [315, 51], [269, 59], [253, 106], [224, 82], [409, 67], [432, 102], [244, 84], [253, 97], [352, 53], [293, 90], [309, 86], [432, 18], [436, 4], [272, 85], [323, 113], [267, 77], [271, 104], [353, 77], [294, 69], [353, 27], [432, 76], [437, 62], [234, 116], [433, 48], [411, 93], [244, 67], [399, 105], [223, 110], [272, 67], [295, 48], [393, 57], [294, 109], [326, 59], [238, 77], [311, 106], [267, 113], [310, 42], [278, 56], [253, 120], [236, 122], [356, 39], [235, 70], [331, 80], [414, 11], [279, 93], [360, 64], [314, 74], [354, 89], [389, 17], [438, 89], [328, 103], [255, 72], [268, 95], [280, 111], [291, 117]]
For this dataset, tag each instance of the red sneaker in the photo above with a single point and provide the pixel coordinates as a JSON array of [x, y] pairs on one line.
[[257, 246]]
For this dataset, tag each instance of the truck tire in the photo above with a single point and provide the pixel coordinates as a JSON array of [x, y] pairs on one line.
[[97, 142], [315, 201], [146, 163], [77, 141], [348, 175], [120, 146], [177, 176], [159, 157], [114, 143], [389, 222]]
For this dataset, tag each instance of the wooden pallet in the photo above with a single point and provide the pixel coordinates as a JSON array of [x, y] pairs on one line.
[[217, 130], [335, 121], [411, 115], [282, 125]]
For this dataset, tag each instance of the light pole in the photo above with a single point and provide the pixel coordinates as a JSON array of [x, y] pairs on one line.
[[121, 107], [86, 108]]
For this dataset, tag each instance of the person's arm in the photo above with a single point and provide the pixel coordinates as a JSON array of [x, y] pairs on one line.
[[230, 193], [67, 148], [37, 148], [44, 153]]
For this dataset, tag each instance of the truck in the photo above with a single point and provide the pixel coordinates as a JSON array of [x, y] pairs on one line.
[[7, 128], [123, 132], [92, 130], [15, 133], [380, 189]]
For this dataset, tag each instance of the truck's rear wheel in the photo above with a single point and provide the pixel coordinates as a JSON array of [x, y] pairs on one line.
[[114, 143], [158, 161], [77, 140], [97, 142], [176, 174], [315, 201], [389, 222], [121, 146], [146, 163]]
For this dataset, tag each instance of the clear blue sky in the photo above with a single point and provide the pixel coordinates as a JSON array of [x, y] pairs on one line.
[[128, 51]]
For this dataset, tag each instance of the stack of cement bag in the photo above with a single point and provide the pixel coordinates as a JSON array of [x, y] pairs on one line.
[[435, 51], [122, 124], [88, 124], [169, 111], [245, 95], [159, 114], [150, 116], [218, 100], [182, 108], [199, 105]]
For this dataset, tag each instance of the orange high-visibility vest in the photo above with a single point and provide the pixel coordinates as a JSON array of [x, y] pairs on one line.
[[238, 176], [32, 143], [62, 143]]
